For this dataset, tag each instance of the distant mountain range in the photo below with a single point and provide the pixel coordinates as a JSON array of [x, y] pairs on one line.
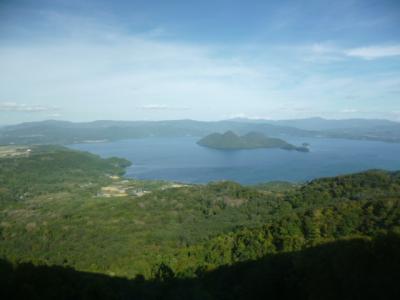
[[358, 129], [319, 124], [64, 132], [252, 140]]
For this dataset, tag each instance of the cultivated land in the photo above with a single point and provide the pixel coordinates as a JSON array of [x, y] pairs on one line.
[[13, 151]]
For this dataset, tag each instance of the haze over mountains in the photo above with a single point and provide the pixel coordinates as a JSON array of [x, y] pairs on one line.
[[317, 123], [64, 132]]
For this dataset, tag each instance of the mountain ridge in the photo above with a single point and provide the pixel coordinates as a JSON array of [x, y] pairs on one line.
[[65, 132]]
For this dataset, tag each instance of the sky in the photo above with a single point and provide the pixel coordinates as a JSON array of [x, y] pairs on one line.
[[204, 60]]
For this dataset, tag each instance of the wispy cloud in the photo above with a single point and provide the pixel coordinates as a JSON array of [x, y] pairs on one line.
[[21, 107], [349, 111], [245, 116], [331, 52], [162, 107], [374, 52], [54, 115], [102, 71]]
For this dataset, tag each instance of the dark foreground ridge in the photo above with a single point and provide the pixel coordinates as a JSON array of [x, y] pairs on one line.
[[356, 268]]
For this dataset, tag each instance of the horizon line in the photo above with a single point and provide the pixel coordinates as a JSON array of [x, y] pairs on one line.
[[204, 121]]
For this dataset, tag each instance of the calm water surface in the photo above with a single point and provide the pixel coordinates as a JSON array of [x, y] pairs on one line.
[[181, 159]]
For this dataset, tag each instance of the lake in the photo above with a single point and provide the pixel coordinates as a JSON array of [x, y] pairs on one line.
[[182, 160]]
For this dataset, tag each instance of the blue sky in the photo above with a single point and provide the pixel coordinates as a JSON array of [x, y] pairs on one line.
[[205, 60]]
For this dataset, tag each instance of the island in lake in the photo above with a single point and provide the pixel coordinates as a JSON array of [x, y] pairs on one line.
[[252, 140]]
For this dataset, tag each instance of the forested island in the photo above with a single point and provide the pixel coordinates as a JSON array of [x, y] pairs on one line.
[[252, 140], [63, 237]]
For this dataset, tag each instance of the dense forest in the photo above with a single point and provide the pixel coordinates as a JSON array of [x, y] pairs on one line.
[[358, 268], [62, 236]]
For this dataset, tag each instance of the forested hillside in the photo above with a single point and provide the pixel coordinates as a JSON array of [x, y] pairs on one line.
[[46, 169], [358, 268], [327, 239]]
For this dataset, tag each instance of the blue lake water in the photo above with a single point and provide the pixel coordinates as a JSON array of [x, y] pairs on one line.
[[181, 159]]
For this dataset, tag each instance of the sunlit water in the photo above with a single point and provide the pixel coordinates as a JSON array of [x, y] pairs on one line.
[[181, 159]]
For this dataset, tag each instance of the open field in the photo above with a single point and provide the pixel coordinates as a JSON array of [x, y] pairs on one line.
[[14, 151]]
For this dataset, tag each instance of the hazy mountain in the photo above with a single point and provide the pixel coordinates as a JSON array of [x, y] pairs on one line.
[[319, 124], [64, 132], [361, 129]]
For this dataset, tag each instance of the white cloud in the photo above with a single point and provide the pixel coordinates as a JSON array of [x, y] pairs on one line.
[[132, 76], [162, 107], [323, 48], [55, 115], [330, 52], [349, 111], [154, 107], [106, 72], [245, 116], [21, 107], [374, 52]]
